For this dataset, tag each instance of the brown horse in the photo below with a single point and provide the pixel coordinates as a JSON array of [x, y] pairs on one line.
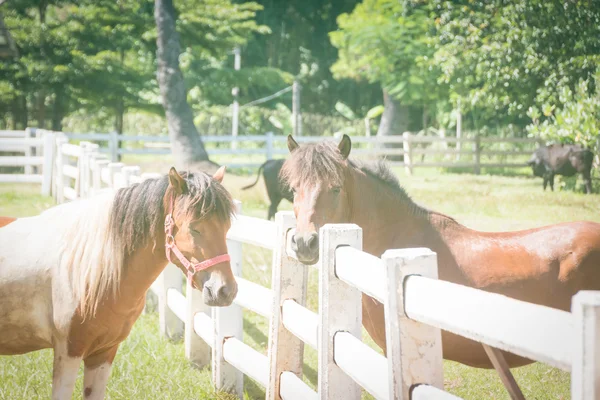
[[544, 266], [6, 220], [75, 277]]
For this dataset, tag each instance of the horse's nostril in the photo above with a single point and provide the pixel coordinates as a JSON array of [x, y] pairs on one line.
[[208, 291], [313, 242], [294, 243], [223, 292]]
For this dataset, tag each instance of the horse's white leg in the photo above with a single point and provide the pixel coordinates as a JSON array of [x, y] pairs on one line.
[[64, 373], [96, 374]]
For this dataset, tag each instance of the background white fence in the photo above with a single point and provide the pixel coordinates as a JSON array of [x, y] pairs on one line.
[[31, 149], [250, 151], [417, 306]]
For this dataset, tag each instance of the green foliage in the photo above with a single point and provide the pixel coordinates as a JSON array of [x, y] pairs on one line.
[[216, 120], [577, 120], [381, 43], [299, 45], [505, 56], [99, 56]]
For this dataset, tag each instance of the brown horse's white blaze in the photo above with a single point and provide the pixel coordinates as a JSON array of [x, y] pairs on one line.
[[75, 277], [544, 265]]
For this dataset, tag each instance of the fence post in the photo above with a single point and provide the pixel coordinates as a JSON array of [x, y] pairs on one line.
[[585, 371], [49, 144], [289, 282], [296, 113], [228, 322], [170, 325], [113, 170], [29, 134], [477, 154], [407, 153], [59, 174], [85, 184], [340, 309], [269, 136], [128, 172], [97, 166], [113, 145], [414, 350], [196, 349]]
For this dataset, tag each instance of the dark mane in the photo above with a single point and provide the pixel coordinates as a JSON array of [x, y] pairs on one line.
[[379, 170], [322, 162], [138, 213], [314, 163]]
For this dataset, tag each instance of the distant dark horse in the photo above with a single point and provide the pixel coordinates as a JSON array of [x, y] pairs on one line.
[[565, 160], [276, 188]]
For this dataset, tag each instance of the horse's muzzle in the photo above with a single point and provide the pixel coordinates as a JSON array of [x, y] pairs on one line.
[[306, 246]]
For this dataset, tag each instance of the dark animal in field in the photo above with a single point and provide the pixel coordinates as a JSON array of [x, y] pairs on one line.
[[562, 159], [276, 188]]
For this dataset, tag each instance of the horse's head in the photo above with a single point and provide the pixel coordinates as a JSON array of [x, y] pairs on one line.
[[201, 216], [536, 164], [318, 176]]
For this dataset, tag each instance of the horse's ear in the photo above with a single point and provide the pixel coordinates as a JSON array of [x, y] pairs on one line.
[[177, 182], [220, 174], [345, 146], [292, 144]]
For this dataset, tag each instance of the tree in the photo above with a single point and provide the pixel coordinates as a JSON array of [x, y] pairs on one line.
[[186, 144], [505, 56], [575, 121], [210, 25], [299, 45], [384, 42], [88, 55]]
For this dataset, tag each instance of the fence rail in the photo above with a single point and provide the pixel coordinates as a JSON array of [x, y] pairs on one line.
[[269, 145], [37, 148]]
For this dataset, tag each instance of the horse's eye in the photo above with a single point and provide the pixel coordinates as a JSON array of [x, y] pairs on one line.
[[195, 232], [336, 190]]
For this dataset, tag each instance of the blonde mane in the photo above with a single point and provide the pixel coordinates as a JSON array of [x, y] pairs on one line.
[[91, 255]]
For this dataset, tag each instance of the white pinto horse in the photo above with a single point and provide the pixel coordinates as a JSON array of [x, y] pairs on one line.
[[75, 277]]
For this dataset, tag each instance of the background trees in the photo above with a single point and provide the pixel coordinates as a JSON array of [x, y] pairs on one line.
[[423, 60]]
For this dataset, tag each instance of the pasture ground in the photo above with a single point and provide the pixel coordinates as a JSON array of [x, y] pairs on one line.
[[151, 367]]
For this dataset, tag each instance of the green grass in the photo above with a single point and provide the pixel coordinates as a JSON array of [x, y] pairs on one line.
[[148, 366]]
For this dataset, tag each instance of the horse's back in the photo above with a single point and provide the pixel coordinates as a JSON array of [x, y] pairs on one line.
[[546, 265]]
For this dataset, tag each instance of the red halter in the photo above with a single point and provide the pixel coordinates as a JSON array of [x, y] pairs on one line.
[[170, 246]]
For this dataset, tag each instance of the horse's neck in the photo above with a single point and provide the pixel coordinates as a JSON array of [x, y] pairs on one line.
[[391, 220], [142, 269]]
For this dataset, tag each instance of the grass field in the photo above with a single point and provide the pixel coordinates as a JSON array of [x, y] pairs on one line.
[[150, 367]]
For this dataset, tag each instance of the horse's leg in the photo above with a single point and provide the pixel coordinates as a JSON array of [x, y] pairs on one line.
[[545, 182], [507, 378], [96, 374], [64, 373], [373, 317], [551, 180], [273, 207], [587, 177]]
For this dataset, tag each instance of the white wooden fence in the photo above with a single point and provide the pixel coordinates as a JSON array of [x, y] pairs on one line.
[[37, 148], [417, 306], [254, 150]]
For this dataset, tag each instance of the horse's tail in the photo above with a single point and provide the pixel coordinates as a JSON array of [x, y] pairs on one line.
[[257, 177]]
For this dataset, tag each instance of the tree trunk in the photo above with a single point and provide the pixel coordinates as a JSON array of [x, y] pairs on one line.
[[20, 116], [120, 112], [58, 110], [41, 109], [394, 122], [186, 144]]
